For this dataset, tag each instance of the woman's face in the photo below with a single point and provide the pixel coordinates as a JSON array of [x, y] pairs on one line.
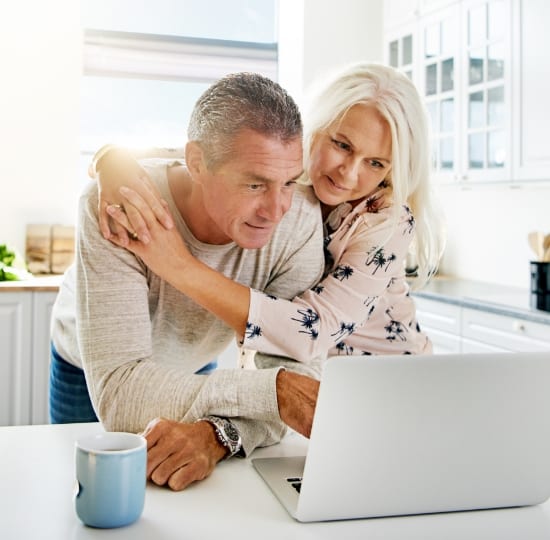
[[350, 159]]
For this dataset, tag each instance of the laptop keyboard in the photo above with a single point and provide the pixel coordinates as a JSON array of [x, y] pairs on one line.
[[295, 482]]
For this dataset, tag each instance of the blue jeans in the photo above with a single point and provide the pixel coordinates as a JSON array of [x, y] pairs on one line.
[[69, 398]]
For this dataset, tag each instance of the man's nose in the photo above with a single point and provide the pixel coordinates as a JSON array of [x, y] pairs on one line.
[[275, 205]]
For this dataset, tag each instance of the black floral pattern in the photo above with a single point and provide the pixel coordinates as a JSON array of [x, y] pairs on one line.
[[346, 329], [252, 331], [380, 260], [308, 320], [394, 329], [368, 278], [343, 272]]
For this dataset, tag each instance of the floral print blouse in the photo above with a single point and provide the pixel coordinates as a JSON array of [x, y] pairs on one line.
[[361, 307]]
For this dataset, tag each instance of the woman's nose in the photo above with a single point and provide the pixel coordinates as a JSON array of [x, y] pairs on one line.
[[349, 169]]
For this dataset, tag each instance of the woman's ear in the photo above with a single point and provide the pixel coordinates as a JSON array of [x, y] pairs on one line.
[[194, 160]]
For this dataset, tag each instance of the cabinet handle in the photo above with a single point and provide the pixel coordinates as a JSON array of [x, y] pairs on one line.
[[518, 326]]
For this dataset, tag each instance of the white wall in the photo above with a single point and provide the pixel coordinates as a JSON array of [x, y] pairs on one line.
[[487, 231], [316, 36], [40, 67]]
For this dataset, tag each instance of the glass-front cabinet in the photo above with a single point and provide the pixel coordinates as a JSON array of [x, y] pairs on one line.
[[439, 84], [487, 90], [461, 66], [401, 50]]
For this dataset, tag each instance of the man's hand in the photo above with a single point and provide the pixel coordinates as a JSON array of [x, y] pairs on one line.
[[297, 397], [179, 454]]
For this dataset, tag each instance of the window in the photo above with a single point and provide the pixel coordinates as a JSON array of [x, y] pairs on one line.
[[147, 62]]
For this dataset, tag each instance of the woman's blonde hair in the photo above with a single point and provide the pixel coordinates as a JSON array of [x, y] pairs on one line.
[[395, 97]]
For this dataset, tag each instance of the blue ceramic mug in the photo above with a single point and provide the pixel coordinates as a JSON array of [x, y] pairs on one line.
[[111, 475]]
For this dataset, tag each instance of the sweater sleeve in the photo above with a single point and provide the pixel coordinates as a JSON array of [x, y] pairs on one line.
[[368, 252], [128, 383]]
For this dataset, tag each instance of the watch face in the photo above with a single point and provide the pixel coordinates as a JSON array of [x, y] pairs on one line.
[[231, 432]]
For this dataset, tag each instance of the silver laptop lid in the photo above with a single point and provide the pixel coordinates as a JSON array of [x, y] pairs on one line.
[[417, 434]]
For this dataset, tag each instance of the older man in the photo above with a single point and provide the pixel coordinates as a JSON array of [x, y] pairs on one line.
[[142, 345]]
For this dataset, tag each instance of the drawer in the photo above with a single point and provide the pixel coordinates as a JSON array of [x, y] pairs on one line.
[[503, 332], [439, 315]]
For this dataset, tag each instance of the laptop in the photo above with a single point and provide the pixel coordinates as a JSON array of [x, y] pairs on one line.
[[402, 435]]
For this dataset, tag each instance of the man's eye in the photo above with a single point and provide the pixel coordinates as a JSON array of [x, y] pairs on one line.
[[290, 183], [255, 187]]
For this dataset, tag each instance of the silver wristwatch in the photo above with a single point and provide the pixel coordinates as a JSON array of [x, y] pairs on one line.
[[227, 433]]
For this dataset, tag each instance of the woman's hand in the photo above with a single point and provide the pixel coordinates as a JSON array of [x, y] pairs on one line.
[[118, 169], [164, 251]]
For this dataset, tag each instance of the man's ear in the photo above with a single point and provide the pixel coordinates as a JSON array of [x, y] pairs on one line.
[[194, 160]]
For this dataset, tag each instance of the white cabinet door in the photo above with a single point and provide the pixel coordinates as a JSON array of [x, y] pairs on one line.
[[531, 89], [443, 343], [439, 83], [401, 50], [441, 322], [42, 310], [470, 346], [454, 328], [500, 332], [486, 90], [15, 357]]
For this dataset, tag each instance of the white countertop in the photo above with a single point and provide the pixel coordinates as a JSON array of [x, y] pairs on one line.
[[49, 283], [490, 297], [37, 485]]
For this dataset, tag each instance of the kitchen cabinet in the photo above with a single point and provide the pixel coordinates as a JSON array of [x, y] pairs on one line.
[[502, 332], [24, 361], [440, 82], [531, 89], [441, 322], [15, 363], [402, 50], [480, 66], [456, 328]]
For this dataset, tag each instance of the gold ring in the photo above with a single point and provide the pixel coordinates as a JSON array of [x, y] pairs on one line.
[[118, 207]]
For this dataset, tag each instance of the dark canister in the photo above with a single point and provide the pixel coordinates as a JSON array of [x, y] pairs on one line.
[[540, 285]]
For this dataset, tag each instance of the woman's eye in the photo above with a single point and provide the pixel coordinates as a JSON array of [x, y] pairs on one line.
[[341, 145], [376, 164]]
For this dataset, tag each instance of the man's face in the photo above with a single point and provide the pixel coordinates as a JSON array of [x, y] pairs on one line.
[[246, 197]]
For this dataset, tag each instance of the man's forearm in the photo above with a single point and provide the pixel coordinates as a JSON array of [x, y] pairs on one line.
[[297, 397]]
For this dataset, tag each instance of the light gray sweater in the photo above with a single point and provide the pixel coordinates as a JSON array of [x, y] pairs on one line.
[[140, 341]]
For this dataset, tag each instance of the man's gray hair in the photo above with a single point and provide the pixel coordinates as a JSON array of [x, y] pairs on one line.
[[236, 102]]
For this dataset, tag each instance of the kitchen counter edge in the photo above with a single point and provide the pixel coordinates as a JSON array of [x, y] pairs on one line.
[[49, 283], [489, 297]]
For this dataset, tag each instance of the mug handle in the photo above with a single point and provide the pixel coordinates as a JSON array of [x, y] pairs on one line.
[[77, 489]]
